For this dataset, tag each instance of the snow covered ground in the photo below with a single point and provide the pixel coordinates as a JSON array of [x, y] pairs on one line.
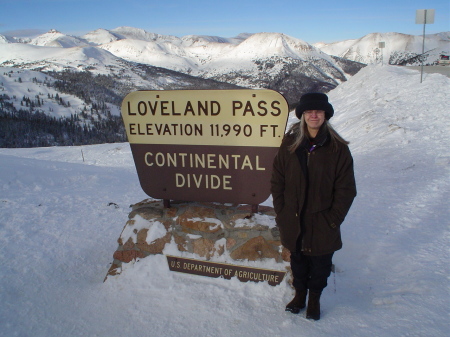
[[58, 231]]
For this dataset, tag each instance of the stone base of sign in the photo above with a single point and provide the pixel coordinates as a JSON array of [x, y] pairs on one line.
[[207, 230]]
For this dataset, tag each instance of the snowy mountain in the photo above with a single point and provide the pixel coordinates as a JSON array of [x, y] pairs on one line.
[[33, 83], [101, 67], [53, 38], [32, 100], [280, 62], [62, 210], [400, 49], [37, 109], [101, 36], [264, 60], [6, 39]]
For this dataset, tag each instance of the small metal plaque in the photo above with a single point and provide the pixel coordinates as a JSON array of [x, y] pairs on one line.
[[227, 271]]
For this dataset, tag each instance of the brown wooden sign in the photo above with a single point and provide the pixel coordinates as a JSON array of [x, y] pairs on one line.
[[205, 145], [227, 271]]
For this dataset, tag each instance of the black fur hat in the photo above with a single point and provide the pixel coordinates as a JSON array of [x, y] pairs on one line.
[[314, 101]]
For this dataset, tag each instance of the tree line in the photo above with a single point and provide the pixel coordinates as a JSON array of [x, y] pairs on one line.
[[30, 126], [27, 128]]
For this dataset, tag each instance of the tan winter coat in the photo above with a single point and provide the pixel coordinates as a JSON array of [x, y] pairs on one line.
[[330, 194]]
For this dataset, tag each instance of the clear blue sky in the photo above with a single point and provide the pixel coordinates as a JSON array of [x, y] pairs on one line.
[[312, 20]]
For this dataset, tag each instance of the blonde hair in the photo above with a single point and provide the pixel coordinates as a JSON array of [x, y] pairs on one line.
[[300, 132]]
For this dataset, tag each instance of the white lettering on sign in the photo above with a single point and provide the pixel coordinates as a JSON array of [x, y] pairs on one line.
[[208, 181], [167, 108], [227, 271], [208, 160]]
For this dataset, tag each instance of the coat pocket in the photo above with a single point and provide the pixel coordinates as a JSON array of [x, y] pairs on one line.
[[327, 235], [288, 224]]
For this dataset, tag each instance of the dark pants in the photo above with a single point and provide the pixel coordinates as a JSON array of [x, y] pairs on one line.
[[310, 272]]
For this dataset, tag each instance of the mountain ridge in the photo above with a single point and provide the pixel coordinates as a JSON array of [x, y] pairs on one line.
[[99, 68], [262, 60], [400, 49], [364, 49]]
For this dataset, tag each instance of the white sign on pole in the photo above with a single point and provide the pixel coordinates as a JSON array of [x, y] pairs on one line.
[[424, 16]]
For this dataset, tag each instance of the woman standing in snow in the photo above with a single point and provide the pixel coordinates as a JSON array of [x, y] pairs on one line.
[[313, 187]]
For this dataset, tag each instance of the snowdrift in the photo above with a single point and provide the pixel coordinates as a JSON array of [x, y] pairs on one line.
[[59, 226]]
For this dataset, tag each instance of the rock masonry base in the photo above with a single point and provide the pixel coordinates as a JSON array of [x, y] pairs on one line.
[[207, 230]]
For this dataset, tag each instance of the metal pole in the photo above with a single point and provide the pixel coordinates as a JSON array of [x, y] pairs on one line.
[[254, 209], [423, 45]]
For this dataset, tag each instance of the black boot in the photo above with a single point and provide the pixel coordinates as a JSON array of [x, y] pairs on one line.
[[313, 311], [298, 303]]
